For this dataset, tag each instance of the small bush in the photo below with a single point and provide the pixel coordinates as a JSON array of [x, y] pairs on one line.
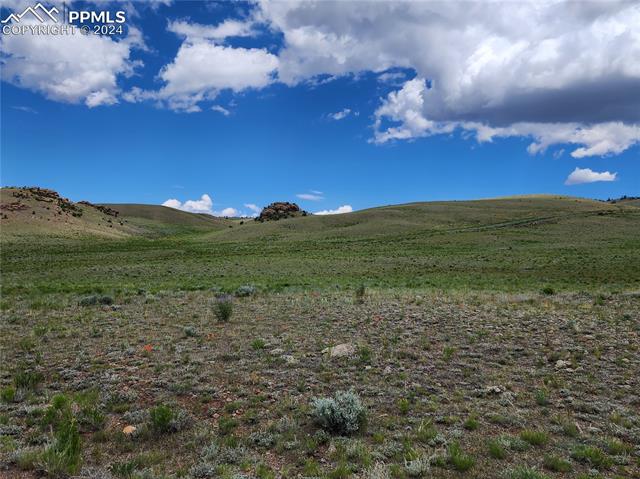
[[541, 397], [8, 394], [548, 291], [160, 419], [94, 299], [245, 290], [361, 292], [223, 308], [190, 331], [258, 344], [343, 413]]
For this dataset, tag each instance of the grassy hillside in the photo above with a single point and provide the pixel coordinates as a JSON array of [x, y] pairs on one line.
[[34, 212], [429, 218], [513, 244], [25, 213], [148, 214]]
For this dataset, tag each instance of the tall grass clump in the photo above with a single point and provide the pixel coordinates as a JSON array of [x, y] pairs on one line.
[[342, 414], [63, 456]]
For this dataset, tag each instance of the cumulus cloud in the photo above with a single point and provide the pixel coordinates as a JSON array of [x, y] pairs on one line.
[[204, 66], [203, 205], [339, 210], [69, 68], [586, 175], [226, 212], [492, 64], [405, 109]]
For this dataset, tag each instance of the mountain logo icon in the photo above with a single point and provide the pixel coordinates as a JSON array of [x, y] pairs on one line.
[[39, 11]]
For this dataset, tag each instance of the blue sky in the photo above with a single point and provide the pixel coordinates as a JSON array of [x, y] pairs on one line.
[[275, 115]]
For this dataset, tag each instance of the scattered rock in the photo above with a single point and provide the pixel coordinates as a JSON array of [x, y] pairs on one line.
[[289, 359], [562, 364], [128, 430], [340, 350]]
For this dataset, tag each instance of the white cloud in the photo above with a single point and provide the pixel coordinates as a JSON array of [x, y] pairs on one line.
[[69, 68], [340, 114], [203, 67], [255, 208], [586, 175], [203, 205], [226, 212], [228, 28], [310, 196], [494, 64], [221, 109], [593, 140], [405, 108], [337, 211]]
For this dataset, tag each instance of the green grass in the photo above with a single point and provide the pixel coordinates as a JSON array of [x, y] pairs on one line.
[[535, 438], [593, 456], [511, 245]]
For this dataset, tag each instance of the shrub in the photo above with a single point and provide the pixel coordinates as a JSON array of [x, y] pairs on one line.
[[190, 331], [160, 418], [8, 394], [541, 397], [548, 291], [245, 290], [94, 299], [258, 344], [343, 413], [223, 308], [361, 292]]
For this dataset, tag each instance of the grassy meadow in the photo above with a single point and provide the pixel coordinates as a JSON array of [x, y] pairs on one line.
[[495, 338]]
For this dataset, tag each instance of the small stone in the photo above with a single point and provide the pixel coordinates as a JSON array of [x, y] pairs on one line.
[[562, 364], [276, 352], [340, 350]]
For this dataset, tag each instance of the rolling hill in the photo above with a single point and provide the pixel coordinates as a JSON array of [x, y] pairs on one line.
[[33, 211], [504, 244]]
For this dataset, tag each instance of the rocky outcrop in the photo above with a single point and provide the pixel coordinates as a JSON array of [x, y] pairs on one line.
[[280, 210]]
